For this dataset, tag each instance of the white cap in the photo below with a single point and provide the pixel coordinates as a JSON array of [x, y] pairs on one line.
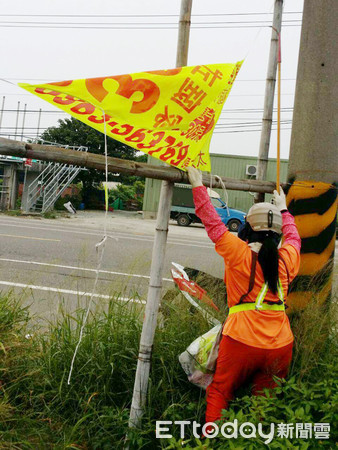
[[265, 217]]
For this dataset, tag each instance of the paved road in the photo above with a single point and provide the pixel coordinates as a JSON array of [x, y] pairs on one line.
[[54, 261]]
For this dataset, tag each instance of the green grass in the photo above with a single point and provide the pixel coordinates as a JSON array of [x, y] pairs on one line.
[[50, 215], [13, 212], [38, 410]]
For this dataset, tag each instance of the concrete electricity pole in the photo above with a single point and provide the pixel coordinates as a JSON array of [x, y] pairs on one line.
[[157, 262], [313, 159], [264, 145]]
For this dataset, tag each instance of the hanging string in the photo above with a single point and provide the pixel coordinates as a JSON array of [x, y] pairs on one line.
[[225, 192], [100, 247]]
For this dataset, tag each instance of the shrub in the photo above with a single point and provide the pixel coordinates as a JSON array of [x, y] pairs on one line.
[[128, 193], [74, 199], [39, 410]]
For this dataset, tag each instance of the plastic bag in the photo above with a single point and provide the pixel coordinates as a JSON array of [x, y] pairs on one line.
[[199, 359]]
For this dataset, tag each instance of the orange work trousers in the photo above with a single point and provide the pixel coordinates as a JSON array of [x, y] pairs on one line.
[[239, 364]]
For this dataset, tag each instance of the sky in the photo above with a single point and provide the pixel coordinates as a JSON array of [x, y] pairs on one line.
[[45, 40]]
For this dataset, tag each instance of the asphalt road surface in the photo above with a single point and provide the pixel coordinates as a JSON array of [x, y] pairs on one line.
[[53, 262]]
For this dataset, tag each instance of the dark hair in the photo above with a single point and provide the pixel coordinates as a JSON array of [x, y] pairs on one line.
[[268, 259], [268, 256]]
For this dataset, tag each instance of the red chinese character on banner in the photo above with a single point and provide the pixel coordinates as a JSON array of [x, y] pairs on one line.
[[186, 163], [201, 125], [165, 120], [198, 161], [208, 73], [223, 96], [189, 95]]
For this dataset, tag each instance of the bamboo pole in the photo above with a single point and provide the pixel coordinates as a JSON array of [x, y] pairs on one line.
[[10, 147], [263, 155], [157, 264], [278, 111]]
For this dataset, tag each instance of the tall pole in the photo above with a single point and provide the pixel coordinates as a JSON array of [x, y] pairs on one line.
[[17, 120], [38, 127], [23, 121], [157, 264], [264, 145], [2, 110], [312, 170], [278, 111]]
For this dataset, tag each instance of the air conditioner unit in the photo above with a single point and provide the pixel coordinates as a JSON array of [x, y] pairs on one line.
[[251, 170]]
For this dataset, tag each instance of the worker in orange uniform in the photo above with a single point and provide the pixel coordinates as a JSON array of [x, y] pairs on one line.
[[257, 339]]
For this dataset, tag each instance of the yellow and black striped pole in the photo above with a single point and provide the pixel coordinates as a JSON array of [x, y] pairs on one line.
[[313, 161], [314, 206]]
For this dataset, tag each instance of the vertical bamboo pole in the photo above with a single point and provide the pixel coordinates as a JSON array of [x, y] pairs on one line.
[[262, 162], [278, 111], [157, 263]]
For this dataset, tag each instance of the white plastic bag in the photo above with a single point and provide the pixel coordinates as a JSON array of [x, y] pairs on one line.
[[69, 207], [199, 359]]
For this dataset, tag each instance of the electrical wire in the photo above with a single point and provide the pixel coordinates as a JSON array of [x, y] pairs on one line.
[[146, 15], [137, 27], [44, 80], [145, 23]]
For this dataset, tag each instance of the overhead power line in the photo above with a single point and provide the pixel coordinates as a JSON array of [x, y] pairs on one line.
[[146, 15], [44, 79], [136, 26], [229, 111], [145, 23]]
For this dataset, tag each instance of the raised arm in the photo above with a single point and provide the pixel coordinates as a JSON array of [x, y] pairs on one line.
[[204, 208], [290, 232], [289, 229], [207, 213]]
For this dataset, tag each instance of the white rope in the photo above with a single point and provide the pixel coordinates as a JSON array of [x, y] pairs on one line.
[[99, 246], [225, 192]]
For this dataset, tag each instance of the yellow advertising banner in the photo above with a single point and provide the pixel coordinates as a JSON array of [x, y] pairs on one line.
[[169, 114]]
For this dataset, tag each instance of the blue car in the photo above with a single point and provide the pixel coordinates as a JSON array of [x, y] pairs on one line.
[[232, 218]]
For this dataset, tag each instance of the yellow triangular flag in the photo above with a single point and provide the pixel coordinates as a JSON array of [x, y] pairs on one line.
[[169, 114]]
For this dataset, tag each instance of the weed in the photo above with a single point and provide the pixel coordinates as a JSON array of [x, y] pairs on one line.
[[13, 212], [49, 215], [38, 409]]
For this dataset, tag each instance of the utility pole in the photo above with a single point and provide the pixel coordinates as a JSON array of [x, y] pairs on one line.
[[38, 127], [23, 121], [2, 110], [17, 120], [264, 145], [312, 169], [157, 264]]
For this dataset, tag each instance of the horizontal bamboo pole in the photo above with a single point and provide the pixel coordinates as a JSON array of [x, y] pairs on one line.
[[10, 147]]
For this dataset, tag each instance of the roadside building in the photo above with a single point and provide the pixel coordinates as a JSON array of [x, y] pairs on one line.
[[233, 166]]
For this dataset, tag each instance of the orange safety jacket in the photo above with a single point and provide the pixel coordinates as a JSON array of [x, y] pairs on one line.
[[257, 327]]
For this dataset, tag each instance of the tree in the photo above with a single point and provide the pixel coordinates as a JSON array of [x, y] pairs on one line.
[[73, 132]]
